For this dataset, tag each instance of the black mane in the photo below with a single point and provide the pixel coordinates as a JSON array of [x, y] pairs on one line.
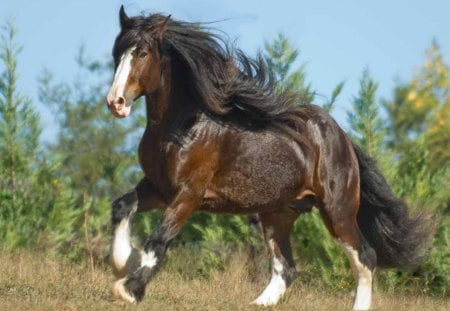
[[222, 78]]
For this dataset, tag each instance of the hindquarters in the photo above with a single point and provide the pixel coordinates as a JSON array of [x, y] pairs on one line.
[[336, 187], [356, 203]]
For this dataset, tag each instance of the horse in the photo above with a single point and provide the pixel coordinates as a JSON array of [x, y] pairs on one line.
[[221, 137]]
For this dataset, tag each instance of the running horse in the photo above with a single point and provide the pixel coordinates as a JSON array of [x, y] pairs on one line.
[[220, 137]]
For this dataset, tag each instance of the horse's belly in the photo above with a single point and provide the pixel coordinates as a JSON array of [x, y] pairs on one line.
[[219, 206], [257, 186]]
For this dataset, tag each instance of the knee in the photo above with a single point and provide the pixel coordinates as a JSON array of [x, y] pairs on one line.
[[124, 207]]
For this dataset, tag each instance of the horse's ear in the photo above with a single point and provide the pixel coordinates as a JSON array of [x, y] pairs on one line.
[[124, 19], [160, 29]]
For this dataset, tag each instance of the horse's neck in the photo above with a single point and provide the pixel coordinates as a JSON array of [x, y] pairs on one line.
[[171, 104]]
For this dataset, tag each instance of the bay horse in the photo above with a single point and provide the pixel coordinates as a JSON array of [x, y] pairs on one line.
[[221, 138]]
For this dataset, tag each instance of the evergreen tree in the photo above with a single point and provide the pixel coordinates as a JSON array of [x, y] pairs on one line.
[[19, 147], [97, 151], [364, 119], [281, 56]]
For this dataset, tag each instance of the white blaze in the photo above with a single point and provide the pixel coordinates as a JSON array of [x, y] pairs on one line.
[[121, 75]]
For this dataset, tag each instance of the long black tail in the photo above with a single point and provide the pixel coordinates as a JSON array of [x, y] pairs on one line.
[[399, 240]]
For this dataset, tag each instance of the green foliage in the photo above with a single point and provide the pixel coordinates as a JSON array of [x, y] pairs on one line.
[[92, 144], [281, 55], [217, 238], [19, 132], [422, 107], [426, 192], [329, 105], [320, 256], [364, 119], [419, 118], [96, 162]]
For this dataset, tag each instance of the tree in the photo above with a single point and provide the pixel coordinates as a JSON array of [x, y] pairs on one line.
[[19, 122], [93, 145], [418, 131], [95, 154], [19, 146], [421, 107], [364, 119], [280, 55]]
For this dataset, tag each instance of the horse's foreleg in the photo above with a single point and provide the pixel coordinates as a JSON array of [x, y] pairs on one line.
[[123, 254], [277, 228], [124, 257], [132, 287]]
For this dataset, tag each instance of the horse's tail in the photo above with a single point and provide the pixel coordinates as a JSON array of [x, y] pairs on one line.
[[398, 239]]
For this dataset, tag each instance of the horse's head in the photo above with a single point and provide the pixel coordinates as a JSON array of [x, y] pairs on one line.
[[137, 59]]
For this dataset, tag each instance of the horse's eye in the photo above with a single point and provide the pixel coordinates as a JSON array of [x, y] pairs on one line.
[[142, 54]]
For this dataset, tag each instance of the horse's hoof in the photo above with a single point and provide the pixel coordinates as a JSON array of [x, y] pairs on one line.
[[263, 303], [120, 292]]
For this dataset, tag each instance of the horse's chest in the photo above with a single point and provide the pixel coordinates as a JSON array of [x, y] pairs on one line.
[[153, 160], [168, 164]]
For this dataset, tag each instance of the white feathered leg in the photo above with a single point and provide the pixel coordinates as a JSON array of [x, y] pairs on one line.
[[277, 285], [363, 276]]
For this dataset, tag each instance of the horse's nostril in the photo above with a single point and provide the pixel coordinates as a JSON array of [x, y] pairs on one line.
[[120, 100]]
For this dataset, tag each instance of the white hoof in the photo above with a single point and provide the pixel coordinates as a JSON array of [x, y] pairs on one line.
[[264, 302], [276, 288], [272, 294], [119, 291]]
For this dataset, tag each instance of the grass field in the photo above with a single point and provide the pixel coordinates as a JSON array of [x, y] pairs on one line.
[[29, 281]]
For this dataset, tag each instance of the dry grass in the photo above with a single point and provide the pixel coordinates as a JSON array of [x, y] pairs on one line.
[[29, 281]]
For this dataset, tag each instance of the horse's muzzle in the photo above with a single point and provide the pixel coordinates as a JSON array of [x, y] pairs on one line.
[[118, 106]]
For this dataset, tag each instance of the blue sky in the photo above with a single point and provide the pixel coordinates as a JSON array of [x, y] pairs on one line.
[[336, 39]]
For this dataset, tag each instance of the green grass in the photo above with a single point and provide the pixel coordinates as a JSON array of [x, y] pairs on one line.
[[33, 281]]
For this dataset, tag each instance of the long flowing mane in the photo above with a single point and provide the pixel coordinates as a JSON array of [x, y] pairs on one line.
[[221, 78]]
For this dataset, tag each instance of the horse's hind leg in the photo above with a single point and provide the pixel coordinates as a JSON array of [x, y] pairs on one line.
[[342, 224], [362, 261], [277, 228]]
